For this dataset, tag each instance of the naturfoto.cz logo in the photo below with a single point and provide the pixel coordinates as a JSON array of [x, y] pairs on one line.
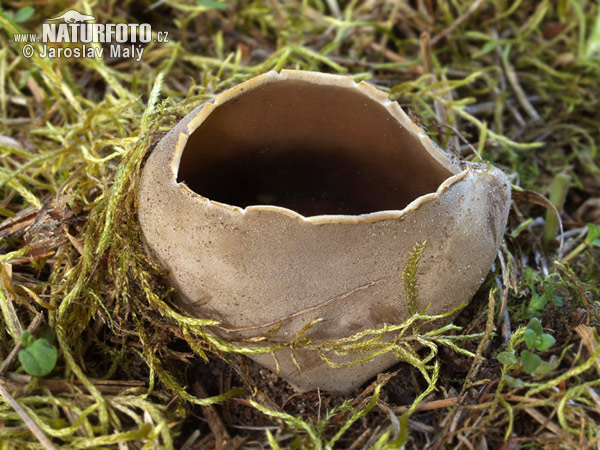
[[126, 40]]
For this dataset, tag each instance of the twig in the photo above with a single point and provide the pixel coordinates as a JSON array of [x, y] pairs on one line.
[[418, 426], [503, 285], [33, 427], [393, 420], [463, 138], [72, 416], [425, 44], [428, 406], [15, 330], [360, 439], [189, 442], [373, 438], [472, 9], [335, 8], [586, 334], [454, 401], [465, 441], [518, 90], [506, 332], [108, 387], [22, 220], [222, 437], [592, 393], [547, 423], [28, 259]]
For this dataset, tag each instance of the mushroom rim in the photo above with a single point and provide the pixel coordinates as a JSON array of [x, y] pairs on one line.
[[195, 118], [377, 216]]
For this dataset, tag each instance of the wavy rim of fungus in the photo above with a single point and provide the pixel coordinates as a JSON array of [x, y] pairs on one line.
[[345, 81]]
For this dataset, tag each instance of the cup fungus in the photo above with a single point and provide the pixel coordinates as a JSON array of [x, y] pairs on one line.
[[298, 196]]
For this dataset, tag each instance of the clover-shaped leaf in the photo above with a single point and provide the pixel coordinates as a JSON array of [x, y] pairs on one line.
[[39, 357], [514, 382], [544, 342], [530, 338], [544, 368], [507, 358], [536, 326], [27, 338], [24, 14], [530, 361]]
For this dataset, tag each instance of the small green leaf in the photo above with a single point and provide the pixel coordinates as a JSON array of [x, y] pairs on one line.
[[212, 4], [514, 382], [545, 341], [593, 233], [507, 358], [530, 361], [530, 338], [487, 47], [535, 325], [39, 358], [478, 35], [27, 338], [24, 14], [536, 304], [543, 368]]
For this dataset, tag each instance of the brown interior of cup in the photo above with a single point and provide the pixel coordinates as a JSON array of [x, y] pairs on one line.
[[311, 148]]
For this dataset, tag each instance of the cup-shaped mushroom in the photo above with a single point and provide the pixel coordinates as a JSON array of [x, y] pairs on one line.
[[298, 196]]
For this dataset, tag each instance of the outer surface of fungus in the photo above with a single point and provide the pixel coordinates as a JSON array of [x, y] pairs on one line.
[[299, 195]]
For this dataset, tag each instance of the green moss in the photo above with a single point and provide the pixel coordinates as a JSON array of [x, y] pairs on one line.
[[409, 277]]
